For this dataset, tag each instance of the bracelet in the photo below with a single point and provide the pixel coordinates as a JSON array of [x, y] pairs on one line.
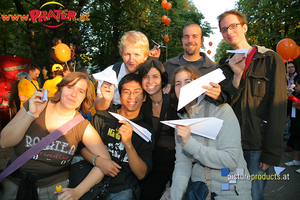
[[32, 115], [93, 160]]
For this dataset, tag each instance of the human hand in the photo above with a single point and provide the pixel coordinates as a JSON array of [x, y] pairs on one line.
[[126, 133], [237, 63], [297, 106], [36, 105], [107, 90], [68, 194], [167, 89], [155, 52], [213, 91], [184, 132], [263, 166], [107, 166]]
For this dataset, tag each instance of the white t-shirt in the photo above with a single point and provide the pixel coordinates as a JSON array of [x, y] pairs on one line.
[[122, 73]]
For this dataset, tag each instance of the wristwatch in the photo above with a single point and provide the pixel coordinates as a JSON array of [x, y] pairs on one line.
[[93, 160]]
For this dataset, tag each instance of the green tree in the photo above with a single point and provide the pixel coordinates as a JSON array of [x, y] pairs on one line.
[[221, 50]]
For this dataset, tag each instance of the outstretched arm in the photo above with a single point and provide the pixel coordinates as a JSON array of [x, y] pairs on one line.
[[104, 98]]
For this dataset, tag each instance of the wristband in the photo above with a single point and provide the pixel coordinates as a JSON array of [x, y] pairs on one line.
[[32, 115], [93, 160]]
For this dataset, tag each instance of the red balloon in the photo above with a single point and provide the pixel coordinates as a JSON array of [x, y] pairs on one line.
[[166, 38], [297, 53], [210, 43], [167, 21], [209, 51], [164, 3], [164, 17], [286, 48], [169, 6], [62, 52]]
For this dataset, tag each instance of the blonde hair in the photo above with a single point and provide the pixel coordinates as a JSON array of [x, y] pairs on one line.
[[136, 38]]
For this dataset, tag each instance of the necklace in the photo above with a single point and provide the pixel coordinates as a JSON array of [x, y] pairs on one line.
[[156, 103]]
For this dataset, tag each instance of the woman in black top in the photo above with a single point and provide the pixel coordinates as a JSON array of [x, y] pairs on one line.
[[154, 78]]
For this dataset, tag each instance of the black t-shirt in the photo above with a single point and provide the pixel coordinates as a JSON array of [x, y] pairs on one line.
[[108, 128]]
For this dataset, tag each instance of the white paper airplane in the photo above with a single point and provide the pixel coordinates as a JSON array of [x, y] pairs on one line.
[[141, 131], [245, 51], [278, 170], [194, 89], [208, 127], [108, 75]]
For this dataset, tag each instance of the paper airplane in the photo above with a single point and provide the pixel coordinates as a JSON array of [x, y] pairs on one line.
[[208, 127], [278, 170], [45, 92], [194, 89], [245, 51], [108, 75], [141, 131]]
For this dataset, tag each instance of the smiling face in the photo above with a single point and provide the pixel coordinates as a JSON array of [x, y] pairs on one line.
[[132, 57], [181, 79], [152, 82], [192, 41], [73, 95], [131, 96], [235, 36]]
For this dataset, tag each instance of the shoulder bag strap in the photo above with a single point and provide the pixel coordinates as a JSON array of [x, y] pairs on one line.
[[40, 146], [32, 84], [207, 169]]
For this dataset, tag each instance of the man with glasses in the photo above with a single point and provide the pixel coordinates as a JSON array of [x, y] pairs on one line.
[[255, 87], [119, 138]]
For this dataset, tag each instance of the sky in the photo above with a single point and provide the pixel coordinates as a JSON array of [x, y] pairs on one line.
[[211, 9]]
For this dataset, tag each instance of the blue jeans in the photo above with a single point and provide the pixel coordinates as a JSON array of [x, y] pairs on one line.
[[258, 186], [123, 195]]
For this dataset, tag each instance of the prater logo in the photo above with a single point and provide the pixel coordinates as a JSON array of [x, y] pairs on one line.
[[48, 17]]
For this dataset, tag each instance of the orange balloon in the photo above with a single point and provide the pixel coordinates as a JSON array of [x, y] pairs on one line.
[[167, 21], [286, 48], [169, 6], [209, 51], [62, 52], [164, 17], [297, 53], [166, 38], [210, 43], [164, 3]]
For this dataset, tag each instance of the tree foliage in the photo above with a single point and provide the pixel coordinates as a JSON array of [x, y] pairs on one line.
[[100, 36], [221, 50]]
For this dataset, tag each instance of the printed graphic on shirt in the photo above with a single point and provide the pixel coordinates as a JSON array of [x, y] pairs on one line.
[[58, 150], [115, 146]]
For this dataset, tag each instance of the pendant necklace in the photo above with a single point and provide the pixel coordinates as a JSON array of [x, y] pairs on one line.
[[156, 103]]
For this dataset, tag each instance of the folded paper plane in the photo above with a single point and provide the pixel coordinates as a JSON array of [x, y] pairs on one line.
[[208, 127], [194, 89], [141, 131], [245, 51], [108, 75]]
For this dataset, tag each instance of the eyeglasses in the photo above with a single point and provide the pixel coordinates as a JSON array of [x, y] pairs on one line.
[[127, 93], [231, 27]]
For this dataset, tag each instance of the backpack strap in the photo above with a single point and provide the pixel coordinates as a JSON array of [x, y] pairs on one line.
[[117, 67]]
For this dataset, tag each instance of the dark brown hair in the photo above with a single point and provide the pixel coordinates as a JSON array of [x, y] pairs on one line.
[[194, 73], [77, 76]]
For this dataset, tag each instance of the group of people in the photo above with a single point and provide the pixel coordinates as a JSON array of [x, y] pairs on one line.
[[250, 101]]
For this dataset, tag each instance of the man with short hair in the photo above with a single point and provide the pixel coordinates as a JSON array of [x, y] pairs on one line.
[[192, 40], [120, 139], [134, 49], [28, 85], [255, 87]]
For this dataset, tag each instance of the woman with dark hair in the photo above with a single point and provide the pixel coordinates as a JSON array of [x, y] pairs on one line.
[[154, 78], [37, 119], [291, 73], [197, 156]]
